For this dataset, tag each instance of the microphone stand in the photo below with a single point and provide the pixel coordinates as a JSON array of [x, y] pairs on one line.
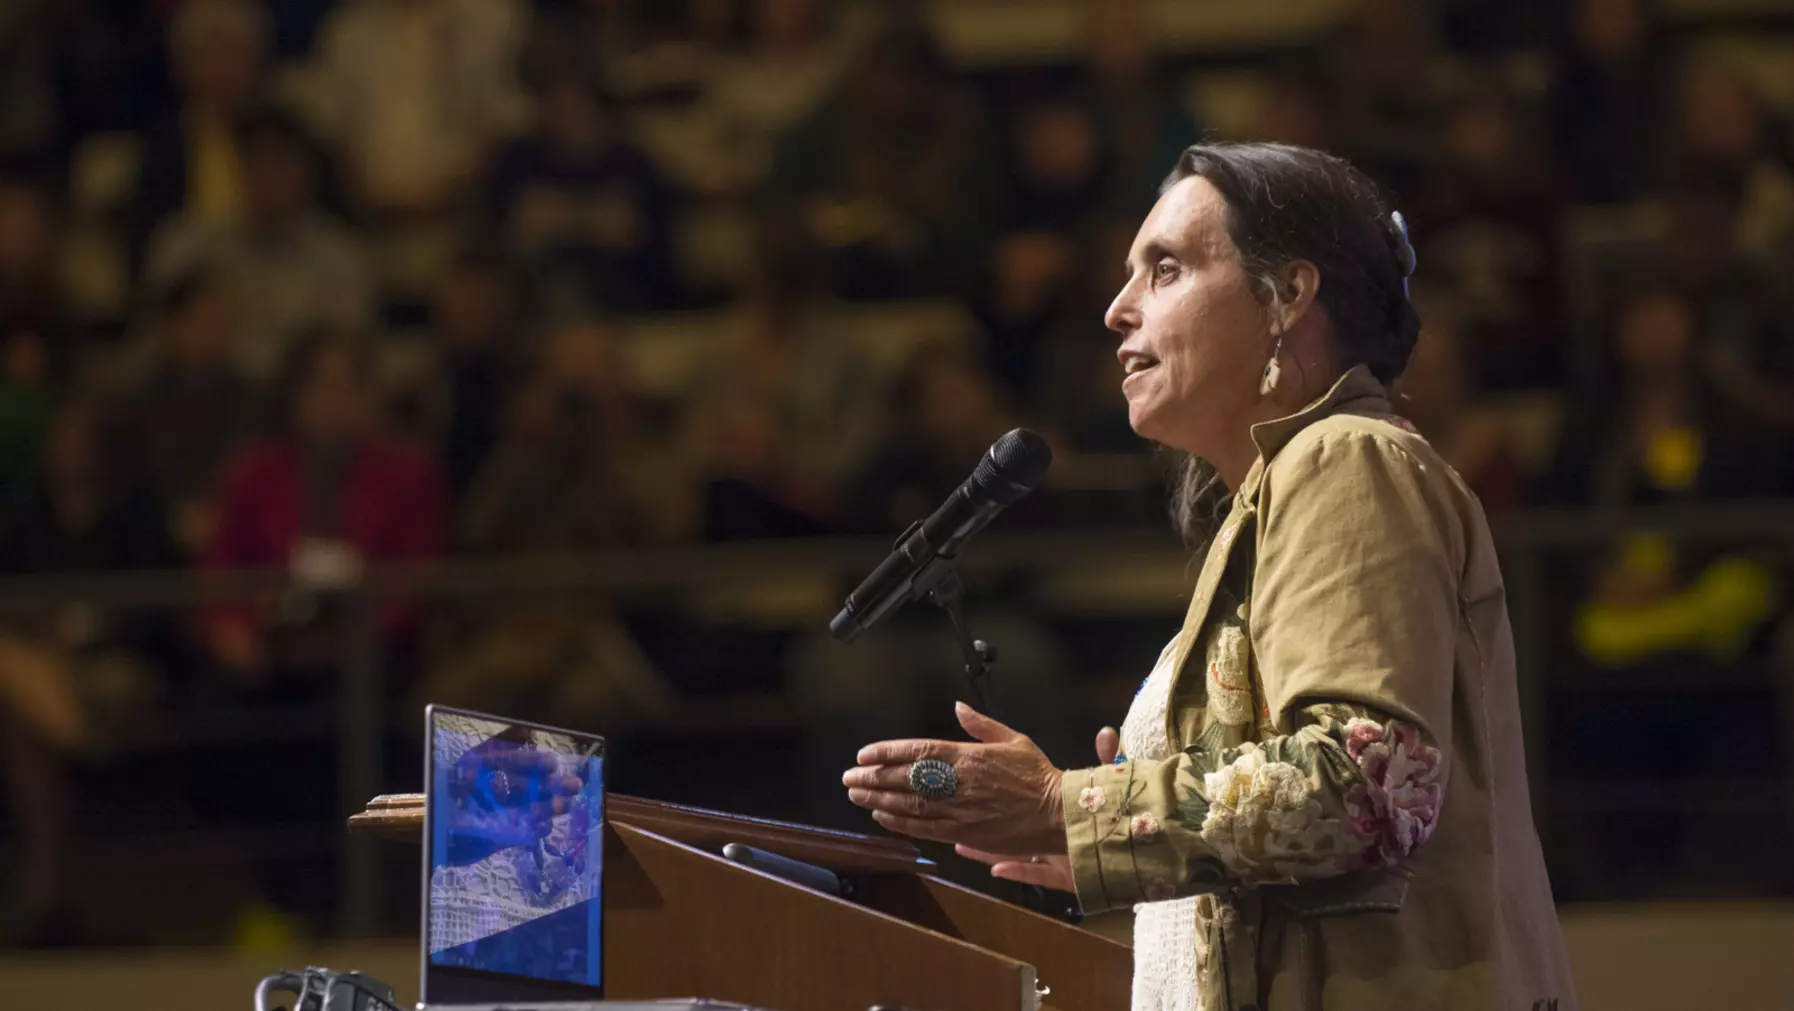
[[940, 581]]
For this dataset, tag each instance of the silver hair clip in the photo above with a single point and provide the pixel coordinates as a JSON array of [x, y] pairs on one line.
[[1404, 252]]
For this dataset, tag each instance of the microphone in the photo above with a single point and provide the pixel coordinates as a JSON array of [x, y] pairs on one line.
[[1012, 467]]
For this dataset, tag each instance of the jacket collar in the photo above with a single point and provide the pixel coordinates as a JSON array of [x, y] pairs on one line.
[[1355, 392]]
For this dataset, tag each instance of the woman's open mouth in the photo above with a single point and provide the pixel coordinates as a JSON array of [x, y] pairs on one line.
[[1134, 363]]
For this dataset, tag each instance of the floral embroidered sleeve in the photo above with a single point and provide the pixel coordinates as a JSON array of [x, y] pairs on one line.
[[1350, 789], [1354, 625]]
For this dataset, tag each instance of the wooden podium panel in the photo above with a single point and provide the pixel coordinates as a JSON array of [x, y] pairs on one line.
[[722, 930], [1078, 969], [682, 921]]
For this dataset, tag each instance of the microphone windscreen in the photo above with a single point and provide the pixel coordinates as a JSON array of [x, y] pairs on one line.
[[1014, 465]]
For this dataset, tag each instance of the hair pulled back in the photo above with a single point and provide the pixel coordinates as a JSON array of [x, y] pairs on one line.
[[1286, 203]]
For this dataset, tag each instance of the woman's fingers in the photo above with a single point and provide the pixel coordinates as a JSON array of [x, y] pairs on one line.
[[877, 777], [1044, 875], [895, 801], [906, 751], [917, 828], [984, 856], [1108, 745]]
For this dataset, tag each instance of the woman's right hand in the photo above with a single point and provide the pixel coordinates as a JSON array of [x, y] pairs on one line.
[[1047, 870]]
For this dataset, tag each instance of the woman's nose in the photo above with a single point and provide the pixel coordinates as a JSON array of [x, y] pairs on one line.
[[1123, 316]]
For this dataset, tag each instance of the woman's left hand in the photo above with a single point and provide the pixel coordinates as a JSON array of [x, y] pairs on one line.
[[1007, 800]]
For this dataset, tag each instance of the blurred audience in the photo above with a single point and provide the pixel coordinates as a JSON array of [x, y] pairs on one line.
[[787, 408], [186, 408], [193, 157], [35, 340], [1490, 227], [1438, 394], [581, 209], [947, 413], [476, 355], [1134, 102], [894, 176], [31, 309], [413, 94], [290, 266], [582, 463], [327, 494], [1391, 76], [1611, 100], [754, 94]]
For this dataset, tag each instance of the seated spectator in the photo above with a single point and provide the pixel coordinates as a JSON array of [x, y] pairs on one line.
[[79, 514], [189, 409], [1728, 140], [414, 94], [1654, 431], [35, 339], [1391, 73], [787, 408], [1438, 396], [1610, 99], [950, 412], [475, 357], [582, 206], [76, 517], [27, 399], [289, 265], [753, 95], [1075, 396], [1745, 315], [583, 463], [193, 160], [31, 305], [1660, 434], [1057, 173], [1134, 102], [1489, 226], [1299, 109], [894, 176], [327, 494]]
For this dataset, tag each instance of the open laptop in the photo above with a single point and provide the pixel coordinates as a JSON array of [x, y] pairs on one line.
[[513, 909]]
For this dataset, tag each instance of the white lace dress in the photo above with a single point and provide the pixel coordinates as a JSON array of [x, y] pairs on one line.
[[1168, 938]]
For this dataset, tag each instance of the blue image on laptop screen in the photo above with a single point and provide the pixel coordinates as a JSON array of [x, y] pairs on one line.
[[516, 822]]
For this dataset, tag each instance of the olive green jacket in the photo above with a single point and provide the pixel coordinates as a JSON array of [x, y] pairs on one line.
[[1348, 780]]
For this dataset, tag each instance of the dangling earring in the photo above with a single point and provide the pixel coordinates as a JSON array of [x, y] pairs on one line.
[[1273, 369]]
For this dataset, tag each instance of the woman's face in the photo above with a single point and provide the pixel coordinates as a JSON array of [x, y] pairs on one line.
[[1195, 339]]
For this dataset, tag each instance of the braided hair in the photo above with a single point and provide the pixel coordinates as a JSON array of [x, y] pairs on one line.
[[1288, 203]]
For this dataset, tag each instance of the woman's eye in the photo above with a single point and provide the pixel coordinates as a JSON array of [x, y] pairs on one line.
[[1164, 270]]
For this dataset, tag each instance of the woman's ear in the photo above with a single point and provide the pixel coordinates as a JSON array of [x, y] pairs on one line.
[[1298, 284]]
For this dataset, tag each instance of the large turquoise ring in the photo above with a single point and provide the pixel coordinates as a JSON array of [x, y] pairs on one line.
[[933, 779]]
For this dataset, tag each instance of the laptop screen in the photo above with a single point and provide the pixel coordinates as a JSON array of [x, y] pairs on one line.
[[513, 867]]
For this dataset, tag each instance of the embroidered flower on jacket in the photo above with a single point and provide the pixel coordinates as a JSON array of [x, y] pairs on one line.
[[1144, 827], [1264, 822], [1159, 890], [1395, 808], [1092, 798]]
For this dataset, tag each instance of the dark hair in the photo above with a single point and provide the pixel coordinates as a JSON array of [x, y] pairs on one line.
[[1287, 203]]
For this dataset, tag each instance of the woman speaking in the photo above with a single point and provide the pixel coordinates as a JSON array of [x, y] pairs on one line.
[[1320, 799]]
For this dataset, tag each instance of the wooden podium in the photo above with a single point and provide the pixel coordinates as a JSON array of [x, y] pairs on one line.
[[681, 921]]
